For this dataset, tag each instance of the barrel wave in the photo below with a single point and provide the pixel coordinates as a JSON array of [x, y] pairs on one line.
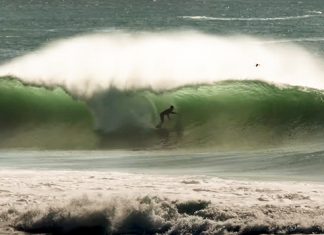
[[106, 91], [225, 114]]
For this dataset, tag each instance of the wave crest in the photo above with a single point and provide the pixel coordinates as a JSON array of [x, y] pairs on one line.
[[90, 64]]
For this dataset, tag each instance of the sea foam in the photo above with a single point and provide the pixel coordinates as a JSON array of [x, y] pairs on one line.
[[88, 64]]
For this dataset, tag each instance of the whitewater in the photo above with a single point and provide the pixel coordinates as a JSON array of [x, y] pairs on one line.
[[162, 61]]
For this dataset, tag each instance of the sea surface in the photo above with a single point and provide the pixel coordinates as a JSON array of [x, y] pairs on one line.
[[82, 84]]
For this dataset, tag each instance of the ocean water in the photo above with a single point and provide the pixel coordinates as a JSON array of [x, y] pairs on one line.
[[82, 84]]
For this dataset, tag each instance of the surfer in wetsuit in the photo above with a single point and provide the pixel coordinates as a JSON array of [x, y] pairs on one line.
[[167, 113]]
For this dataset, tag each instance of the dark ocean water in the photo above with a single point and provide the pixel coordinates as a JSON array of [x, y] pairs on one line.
[[26, 25]]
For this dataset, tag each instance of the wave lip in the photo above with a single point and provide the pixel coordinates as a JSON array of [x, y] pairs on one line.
[[90, 64]]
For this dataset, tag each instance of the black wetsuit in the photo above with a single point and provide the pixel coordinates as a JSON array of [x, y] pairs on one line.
[[167, 113]]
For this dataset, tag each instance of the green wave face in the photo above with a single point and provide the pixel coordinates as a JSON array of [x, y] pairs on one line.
[[230, 114], [36, 117], [227, 114]]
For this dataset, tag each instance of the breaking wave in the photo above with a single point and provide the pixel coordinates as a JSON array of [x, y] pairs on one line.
[[226, 113], [37, 117], [90, 64], [107, 90], [154, 215]]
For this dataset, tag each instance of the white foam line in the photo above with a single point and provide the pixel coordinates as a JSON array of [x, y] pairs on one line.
[[289, 40], [40, 185], [247, 19]]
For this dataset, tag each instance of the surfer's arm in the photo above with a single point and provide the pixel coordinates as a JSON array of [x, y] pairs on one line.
[[173, 112]]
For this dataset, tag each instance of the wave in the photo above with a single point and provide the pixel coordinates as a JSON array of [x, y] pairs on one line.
[[108, 89], [37, 104], [41, 118], [250, 18], [316, 12], [154, 215], [90, 64], [229, 113], [220, 114]]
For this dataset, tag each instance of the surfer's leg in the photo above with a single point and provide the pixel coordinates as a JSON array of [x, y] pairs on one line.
[[162, 118]]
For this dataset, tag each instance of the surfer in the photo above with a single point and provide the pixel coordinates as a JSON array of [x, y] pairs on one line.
[[167, 113]]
